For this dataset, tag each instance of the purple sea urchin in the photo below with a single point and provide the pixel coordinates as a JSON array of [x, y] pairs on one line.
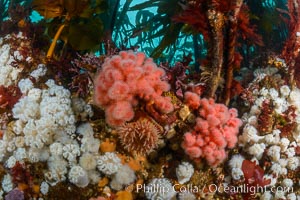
[[140, 136]]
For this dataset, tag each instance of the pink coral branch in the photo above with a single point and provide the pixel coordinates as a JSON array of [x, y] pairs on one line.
[[126, 80], [215, 130]]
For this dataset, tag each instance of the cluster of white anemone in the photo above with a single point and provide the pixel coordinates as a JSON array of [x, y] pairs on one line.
[[48, 134], [44, 130], [279, 150], [8, 73], [162, 188]]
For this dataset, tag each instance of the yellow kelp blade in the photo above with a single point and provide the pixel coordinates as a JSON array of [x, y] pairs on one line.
[[48, 9], [75, 7]]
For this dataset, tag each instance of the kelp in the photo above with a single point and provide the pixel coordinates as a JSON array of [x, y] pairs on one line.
[[58, 8], [77, 23], [122, 24], [4, 10], [270, 22], [159, 25]]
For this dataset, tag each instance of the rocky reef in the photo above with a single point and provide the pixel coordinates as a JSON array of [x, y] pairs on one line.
[[126, 125]]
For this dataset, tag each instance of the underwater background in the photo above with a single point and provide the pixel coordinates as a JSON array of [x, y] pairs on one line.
[[149, 99]]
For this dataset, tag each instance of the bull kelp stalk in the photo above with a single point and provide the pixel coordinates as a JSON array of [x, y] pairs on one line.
[[216, 23], [232, 36], [80, 24], [291, 49], [56, 37], [53, 43]]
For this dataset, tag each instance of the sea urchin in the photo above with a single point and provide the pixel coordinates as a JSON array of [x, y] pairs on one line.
[[140, 136]]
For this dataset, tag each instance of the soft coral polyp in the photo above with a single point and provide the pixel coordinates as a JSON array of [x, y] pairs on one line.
[[126, 80], [215, 130]]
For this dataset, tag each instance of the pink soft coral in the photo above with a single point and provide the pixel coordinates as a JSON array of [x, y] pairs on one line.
[[124, 81], [215, 130], [192, 99]]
